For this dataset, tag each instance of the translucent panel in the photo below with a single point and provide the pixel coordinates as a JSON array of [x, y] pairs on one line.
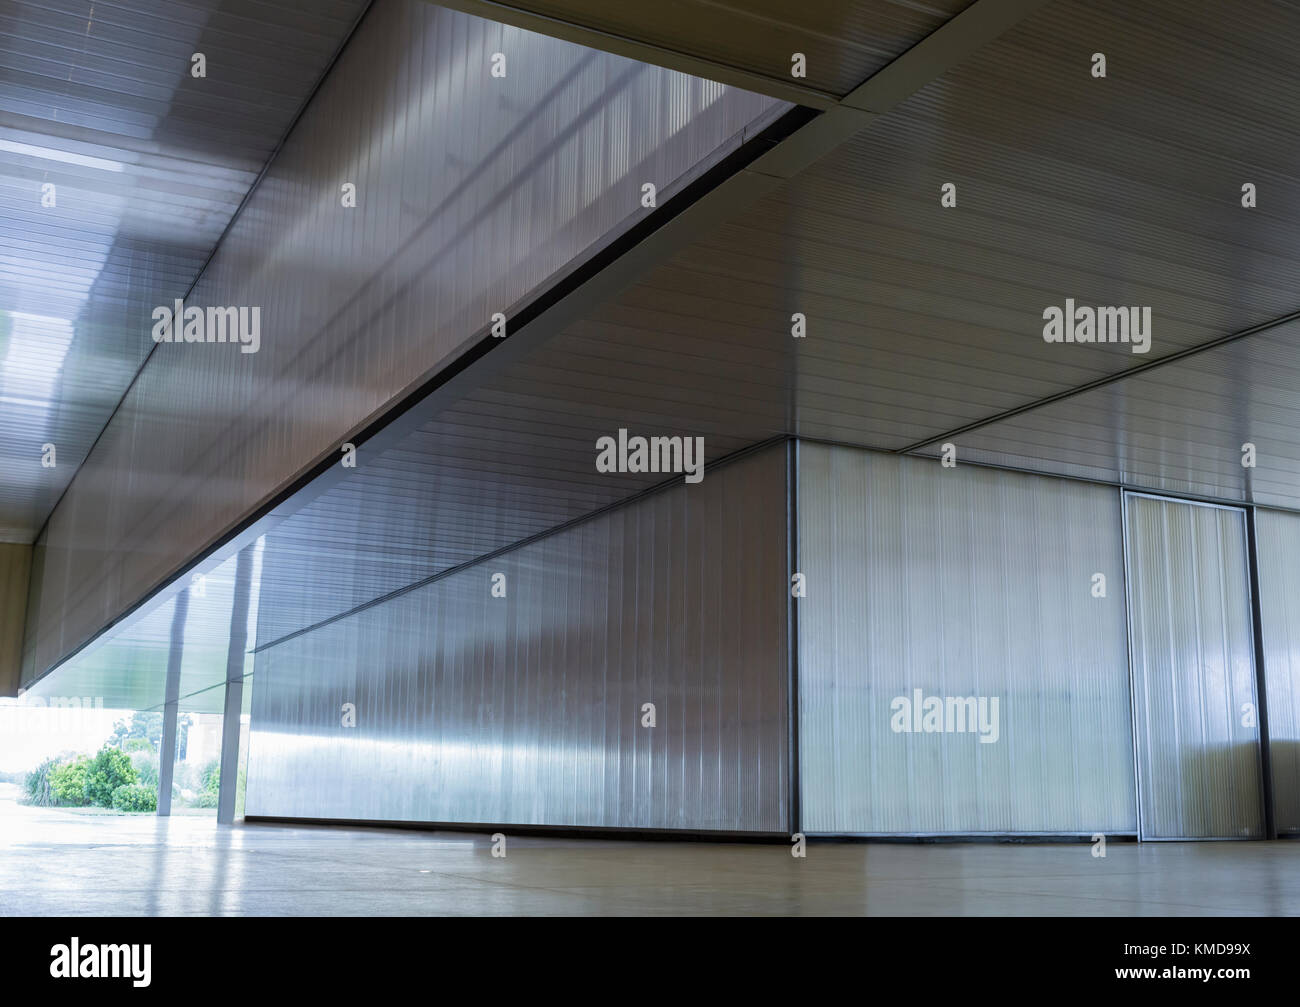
[[1193, 670], [972, 588], [1277, 542]]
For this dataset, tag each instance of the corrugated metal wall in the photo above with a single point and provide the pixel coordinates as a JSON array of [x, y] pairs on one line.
[[473, 193], [1193, 670], [961, 582], [527, 710], [1277, 545]]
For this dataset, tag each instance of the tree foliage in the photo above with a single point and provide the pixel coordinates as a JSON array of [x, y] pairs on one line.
[[210, 791], [110, 769], [112, 778], [148, 727]]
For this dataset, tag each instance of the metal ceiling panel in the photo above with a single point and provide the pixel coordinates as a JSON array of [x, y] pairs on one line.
[[1118, 191], [843, 41], [1179, 428], [119, 171], [474, 194], [921, 318]]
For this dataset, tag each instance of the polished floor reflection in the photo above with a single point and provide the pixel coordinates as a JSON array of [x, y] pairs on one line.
[[56, 863]]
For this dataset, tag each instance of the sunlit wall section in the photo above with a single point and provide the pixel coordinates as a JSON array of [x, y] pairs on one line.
[[629, 672], [449, 168]]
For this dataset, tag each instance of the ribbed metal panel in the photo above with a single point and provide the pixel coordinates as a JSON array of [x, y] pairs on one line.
[[924, 318], [960, 582], [511, 461], [473, 193], [1193, 670], [1179, 428], [1122, 191], [845, 41], [527, 710], [147, 164], [921, 318], [1277, 545]]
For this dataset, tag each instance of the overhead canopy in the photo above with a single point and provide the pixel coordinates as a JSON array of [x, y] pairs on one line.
[[119, 171], [924, 321]]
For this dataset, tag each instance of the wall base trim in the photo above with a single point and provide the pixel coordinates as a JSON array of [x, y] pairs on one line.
[[553, 831]]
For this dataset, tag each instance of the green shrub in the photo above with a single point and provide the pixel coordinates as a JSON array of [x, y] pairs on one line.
[[135, 797], [110, 769], [39, 788], [68, 781], [209, 786], [205, 799]]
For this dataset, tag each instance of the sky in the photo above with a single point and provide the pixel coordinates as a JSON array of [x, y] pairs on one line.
[[30, 733]]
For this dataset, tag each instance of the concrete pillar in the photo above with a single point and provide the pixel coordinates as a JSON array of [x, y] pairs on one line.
[[171, 700], [15, 571], [234, 688]]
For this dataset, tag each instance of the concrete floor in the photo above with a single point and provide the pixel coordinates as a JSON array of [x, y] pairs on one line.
[[61, 864]]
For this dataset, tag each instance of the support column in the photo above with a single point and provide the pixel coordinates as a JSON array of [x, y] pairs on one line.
[[234, 688], [171, 700], [15, 574], [1261, 683]]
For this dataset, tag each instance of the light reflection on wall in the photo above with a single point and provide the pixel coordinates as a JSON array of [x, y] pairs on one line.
[[34, 355], [527, 709]]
